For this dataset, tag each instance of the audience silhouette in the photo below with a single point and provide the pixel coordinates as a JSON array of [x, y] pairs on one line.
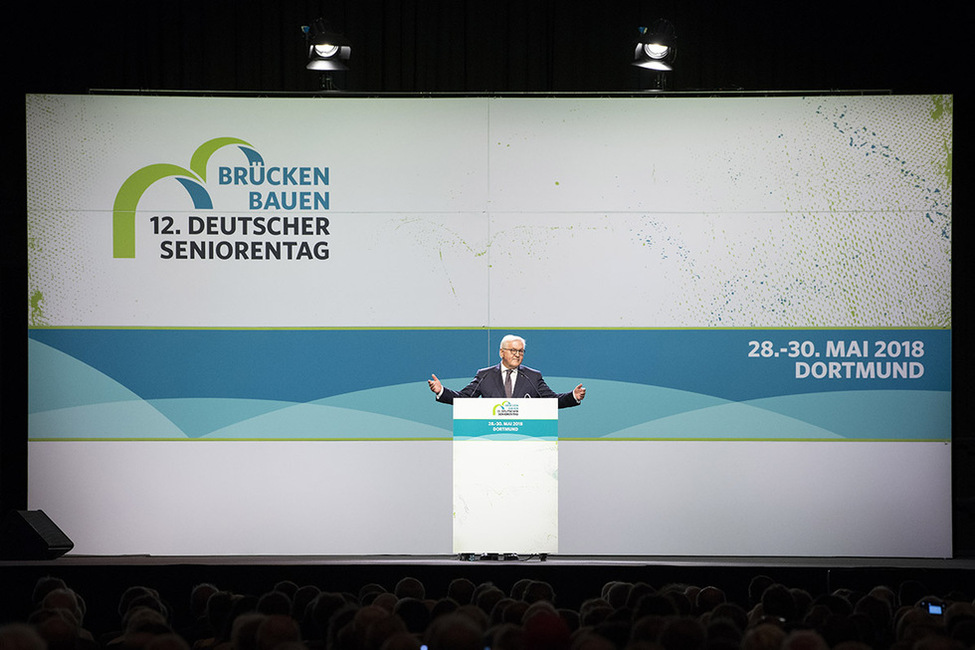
[[468, 616]]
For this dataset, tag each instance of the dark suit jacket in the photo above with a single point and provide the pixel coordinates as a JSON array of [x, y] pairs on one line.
[[488, 382]]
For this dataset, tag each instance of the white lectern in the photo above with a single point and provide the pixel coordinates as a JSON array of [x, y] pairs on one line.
[[506, 476]]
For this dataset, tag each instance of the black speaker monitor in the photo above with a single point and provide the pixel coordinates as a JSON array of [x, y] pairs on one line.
[[31, 535]]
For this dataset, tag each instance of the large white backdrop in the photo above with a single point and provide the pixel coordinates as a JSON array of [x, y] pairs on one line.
[[234, 304]]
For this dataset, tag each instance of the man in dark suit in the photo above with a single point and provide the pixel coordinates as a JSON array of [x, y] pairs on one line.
[[508, 379]]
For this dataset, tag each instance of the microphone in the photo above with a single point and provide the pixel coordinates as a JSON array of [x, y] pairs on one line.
[[476, 383], [528, 378]]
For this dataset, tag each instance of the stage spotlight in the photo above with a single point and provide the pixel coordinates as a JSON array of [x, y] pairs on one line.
[[656, 48], [327, 51]]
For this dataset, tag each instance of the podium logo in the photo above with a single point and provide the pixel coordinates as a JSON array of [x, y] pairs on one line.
[[192, 179], [505, 409]]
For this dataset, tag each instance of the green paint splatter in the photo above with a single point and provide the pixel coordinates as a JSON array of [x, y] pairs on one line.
[[944, 106], [36, 310], [941, 105]]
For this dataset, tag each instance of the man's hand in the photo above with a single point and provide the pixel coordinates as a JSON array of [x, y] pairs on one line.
[[578, 392], [435, 385]]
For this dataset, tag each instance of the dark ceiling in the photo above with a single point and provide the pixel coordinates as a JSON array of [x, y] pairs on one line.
[[427, 46]]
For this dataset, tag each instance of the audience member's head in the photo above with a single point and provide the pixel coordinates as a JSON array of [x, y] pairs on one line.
[[275, 630], [593, 641], [43, 586], [274, 603], [369, 591], [733, 612], [414, 613], [723, 628], [455, 632], [876, 610], [538, 590], [682, 633], [382, 629], [401, 641], [219, 606], [487, 598], [169, 641], [707, 598], [518, 588], [593, 611], [636, 592], [777, 601], [914, 624], [546, 630], [243, 632], [803, 600], [302, 599], [199, 595], [506, 637], [654, 604], [21, 636], [387, 600], [58, 628], [764, 636], [461, 590], [410, 588], [140, 593], [445, 606], [287, 587], [756, 587], [909, 592], [616, 593], [66, 599], [804, 640]]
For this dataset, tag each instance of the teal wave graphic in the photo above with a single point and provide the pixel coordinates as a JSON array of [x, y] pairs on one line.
[[69, 399], [320, 420], [102, 421], [656, 412], [56, 380], [731, 420]]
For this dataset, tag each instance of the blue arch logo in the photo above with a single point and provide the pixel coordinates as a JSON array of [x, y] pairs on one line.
[[193, 181]]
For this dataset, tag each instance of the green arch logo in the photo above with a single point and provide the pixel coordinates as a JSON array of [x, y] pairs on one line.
[[192, 179], [503, 407]]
